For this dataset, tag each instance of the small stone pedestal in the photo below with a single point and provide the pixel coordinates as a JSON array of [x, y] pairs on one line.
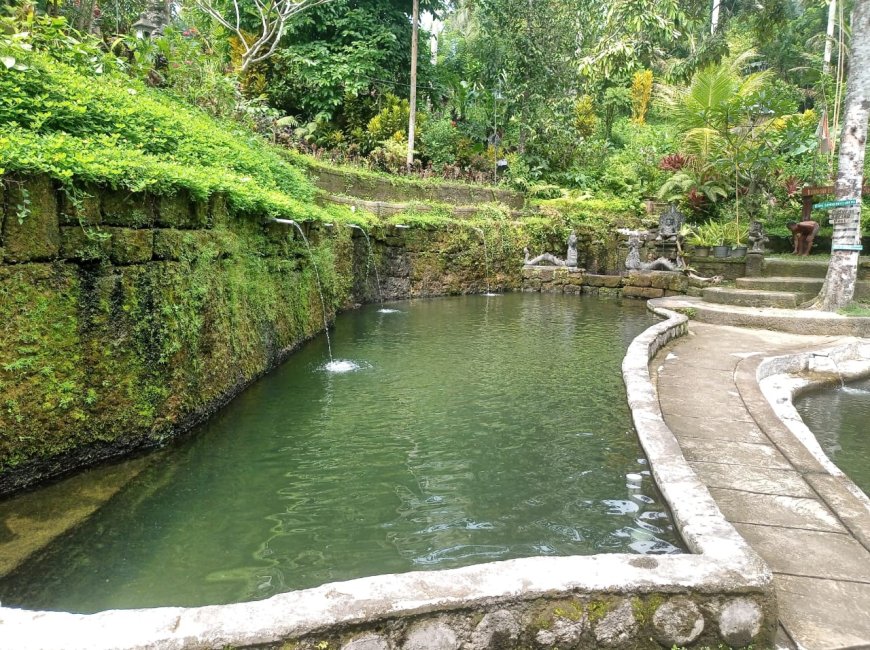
[[754, 264]]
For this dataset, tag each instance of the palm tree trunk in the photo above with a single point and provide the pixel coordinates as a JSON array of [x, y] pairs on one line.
[[839, 286]]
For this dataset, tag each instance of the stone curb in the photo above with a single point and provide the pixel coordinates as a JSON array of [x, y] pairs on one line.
[[699, 520]]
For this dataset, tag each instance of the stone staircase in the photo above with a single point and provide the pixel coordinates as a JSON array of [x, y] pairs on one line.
[[784, 283]]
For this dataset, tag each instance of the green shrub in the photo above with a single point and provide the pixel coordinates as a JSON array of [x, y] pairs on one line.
[[79, 123], [544, 192], [585, 120], [391, 156], [391, 120], [438, 142], [601, 216]]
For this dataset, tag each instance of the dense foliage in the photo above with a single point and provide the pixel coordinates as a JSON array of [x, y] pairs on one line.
[[75, 114], [634, 99]]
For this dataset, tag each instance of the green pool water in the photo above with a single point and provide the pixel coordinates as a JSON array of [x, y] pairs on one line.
[[475, 429], [840, 419]]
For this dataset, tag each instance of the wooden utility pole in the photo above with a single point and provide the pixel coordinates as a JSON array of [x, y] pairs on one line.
[[412, 117], [829, 35]]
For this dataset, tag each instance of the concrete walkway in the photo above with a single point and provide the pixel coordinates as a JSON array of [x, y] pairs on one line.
[[812, 532]]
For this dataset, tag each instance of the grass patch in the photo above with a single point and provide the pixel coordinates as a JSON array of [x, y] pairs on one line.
[[856, 309]]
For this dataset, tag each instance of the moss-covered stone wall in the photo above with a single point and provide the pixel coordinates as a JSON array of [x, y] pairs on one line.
[[128, 318]]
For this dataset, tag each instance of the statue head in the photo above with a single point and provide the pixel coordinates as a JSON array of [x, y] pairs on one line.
[[670, 221]]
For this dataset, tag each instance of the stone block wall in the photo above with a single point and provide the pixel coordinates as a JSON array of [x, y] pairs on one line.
[[130, 317], [633, 284]]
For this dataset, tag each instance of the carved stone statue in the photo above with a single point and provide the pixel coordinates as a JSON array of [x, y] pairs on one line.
[[571, 259], [670, 222], [552, 259], [633, 263], [757, 237], [544, 257], [153, 19]]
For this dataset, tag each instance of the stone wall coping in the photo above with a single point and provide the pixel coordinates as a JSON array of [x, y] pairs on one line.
[[388, 208], [722, 565], [784, 378], [365, 600], [697, 516]]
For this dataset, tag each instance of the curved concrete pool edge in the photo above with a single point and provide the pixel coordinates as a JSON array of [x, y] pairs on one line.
[[782, 379], [771, 480], [722, 592]]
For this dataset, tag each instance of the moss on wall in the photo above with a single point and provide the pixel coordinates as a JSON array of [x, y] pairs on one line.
[[147, 314], [98, 358]]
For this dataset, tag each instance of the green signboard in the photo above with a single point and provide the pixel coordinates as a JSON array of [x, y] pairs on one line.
[[827, 205]]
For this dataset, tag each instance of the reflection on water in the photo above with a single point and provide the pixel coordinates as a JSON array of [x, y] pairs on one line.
[[840, 420], [471, 430]]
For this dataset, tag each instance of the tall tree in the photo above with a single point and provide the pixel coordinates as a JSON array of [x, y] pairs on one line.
[[839, 287], [527, 49], [635, 34], [714, 17], [259, 34]]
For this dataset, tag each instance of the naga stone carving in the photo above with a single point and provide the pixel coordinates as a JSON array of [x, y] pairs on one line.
[[544, 257], [757, 237], [571, 259]]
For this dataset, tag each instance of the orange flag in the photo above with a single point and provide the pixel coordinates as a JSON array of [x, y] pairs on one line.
[[823, 135]]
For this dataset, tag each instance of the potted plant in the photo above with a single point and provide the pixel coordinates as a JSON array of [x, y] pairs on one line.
[[713, 234], [701, 240], [736, 234]]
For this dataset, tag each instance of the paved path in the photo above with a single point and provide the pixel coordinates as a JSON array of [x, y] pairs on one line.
[[810, 530]]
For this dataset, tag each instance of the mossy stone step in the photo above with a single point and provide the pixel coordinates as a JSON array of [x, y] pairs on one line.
[[803, 285], [808, 287], [806, 267], [752, 297]]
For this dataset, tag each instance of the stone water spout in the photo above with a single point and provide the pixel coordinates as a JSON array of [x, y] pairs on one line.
[[291, 222], [482, 234]]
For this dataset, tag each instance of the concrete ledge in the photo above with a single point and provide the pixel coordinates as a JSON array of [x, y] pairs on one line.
[[721, 594], [387, 209], [751, 297], [784, 378], [794, 321]]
